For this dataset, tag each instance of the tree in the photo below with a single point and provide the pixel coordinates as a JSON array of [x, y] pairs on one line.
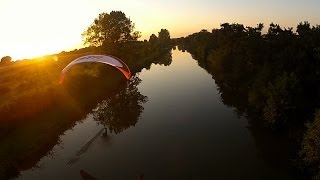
[[6, 60], [304, 29], [164, 38], [153, 40], [110, 28], [310, 151]]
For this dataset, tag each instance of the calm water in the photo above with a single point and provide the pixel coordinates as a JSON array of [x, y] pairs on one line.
[[184, 132]]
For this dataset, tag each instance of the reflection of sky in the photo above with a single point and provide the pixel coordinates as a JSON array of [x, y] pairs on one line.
[[185, 75]]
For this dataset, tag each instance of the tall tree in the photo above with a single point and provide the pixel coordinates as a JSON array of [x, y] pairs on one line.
[[110, 28], [153, 40], [164, 36]]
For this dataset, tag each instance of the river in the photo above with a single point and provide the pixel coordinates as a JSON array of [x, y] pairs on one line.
[[181, 131]]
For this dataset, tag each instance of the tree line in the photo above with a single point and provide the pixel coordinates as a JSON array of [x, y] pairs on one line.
[[275, 75]]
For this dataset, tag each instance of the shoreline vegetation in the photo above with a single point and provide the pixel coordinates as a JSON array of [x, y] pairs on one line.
[[273, 79]]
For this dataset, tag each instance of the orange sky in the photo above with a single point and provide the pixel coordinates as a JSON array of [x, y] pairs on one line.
[[38, 27]]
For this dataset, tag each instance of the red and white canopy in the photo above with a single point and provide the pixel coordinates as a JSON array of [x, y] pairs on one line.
[[110, 60]]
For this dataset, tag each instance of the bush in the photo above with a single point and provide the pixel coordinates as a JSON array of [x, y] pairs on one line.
[[6, 60]]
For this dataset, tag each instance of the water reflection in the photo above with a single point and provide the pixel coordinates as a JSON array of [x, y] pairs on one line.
[[165, 60], [121, 110], [273, 148], [27, 141]]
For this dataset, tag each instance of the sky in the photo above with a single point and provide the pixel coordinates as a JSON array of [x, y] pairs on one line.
[[31, 28]]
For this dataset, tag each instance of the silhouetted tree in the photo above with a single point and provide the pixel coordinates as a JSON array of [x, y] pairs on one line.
[[110, 28], [164, 37], [153, 40], [6, 60], [304, 28]]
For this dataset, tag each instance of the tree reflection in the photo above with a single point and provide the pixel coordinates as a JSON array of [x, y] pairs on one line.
[[166, 59], [122, 110]]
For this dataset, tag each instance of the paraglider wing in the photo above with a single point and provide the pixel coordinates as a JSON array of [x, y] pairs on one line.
[[110, 60]]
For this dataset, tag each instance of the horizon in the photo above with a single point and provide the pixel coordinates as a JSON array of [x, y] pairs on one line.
[[57, 25]]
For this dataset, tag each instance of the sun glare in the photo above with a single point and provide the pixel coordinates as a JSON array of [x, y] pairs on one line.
[[32, 50]]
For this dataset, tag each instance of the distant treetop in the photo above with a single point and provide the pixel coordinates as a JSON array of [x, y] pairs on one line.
[[110, 28]]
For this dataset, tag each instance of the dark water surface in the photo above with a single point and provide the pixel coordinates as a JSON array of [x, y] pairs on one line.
[[184, 132]]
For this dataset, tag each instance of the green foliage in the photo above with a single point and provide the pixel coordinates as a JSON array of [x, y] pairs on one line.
[[275, 75], [110, 28], [310, 151], [267, 69], [279, 104]]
